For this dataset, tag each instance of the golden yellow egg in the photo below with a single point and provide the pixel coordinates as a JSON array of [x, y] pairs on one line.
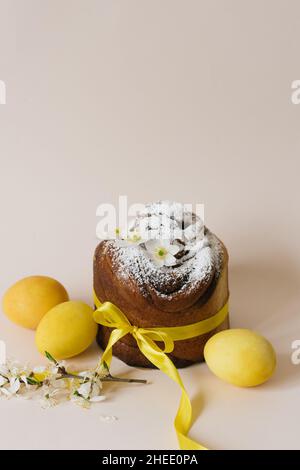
[[66, 330], [240, 357], [28, 300]]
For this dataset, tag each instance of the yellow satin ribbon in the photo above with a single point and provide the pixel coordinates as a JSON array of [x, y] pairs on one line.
[[108, 314]]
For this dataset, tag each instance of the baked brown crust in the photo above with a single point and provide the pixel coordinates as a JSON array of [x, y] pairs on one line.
[[147, 306]]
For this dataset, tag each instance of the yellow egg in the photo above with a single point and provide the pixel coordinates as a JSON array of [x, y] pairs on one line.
[[66, 330], [28, 300], [240, 357]]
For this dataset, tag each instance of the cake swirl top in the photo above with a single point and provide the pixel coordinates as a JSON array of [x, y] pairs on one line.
[[168, 252], [169, 232]]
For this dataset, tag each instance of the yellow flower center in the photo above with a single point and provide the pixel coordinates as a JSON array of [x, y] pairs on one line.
[[135, 238], [161, 252]]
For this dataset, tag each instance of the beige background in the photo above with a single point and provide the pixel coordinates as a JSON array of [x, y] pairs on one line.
[[187, 100]]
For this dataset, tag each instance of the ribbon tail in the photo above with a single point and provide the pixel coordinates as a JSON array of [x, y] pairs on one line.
[[183, 418], [185, 442]]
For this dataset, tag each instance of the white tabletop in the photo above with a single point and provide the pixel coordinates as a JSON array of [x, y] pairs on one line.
[[180, 100]]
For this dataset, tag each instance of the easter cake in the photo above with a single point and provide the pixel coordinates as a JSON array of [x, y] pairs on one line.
[[170, 271]]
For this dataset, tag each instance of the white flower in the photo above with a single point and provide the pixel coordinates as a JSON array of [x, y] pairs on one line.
[[162, 252], [85, 389], [49, 397], [39, 369], [115, 234], [131, 238], [134, 238], [95, 395], [80, 401], [3, 380], [55, 384], [14, 385], [59, 384], [88, 391], [24, 380], [5, 392]]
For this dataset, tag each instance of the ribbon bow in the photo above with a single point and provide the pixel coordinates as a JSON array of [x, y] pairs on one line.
[[108, 314]]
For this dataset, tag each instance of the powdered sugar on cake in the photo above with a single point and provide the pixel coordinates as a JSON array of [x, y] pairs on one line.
[[198, 258], [169, 220]]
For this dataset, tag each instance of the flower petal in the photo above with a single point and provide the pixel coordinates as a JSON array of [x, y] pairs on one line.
[[39, 369], [158, 261], [97, 398], [151, 245], [14, 385], [84, 389], [170, 260], [164, 243], [3, 380], [173, 249]]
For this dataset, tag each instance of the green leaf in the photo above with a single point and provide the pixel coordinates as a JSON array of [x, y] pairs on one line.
[[105, 366], [50, 358], [32, 381]]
